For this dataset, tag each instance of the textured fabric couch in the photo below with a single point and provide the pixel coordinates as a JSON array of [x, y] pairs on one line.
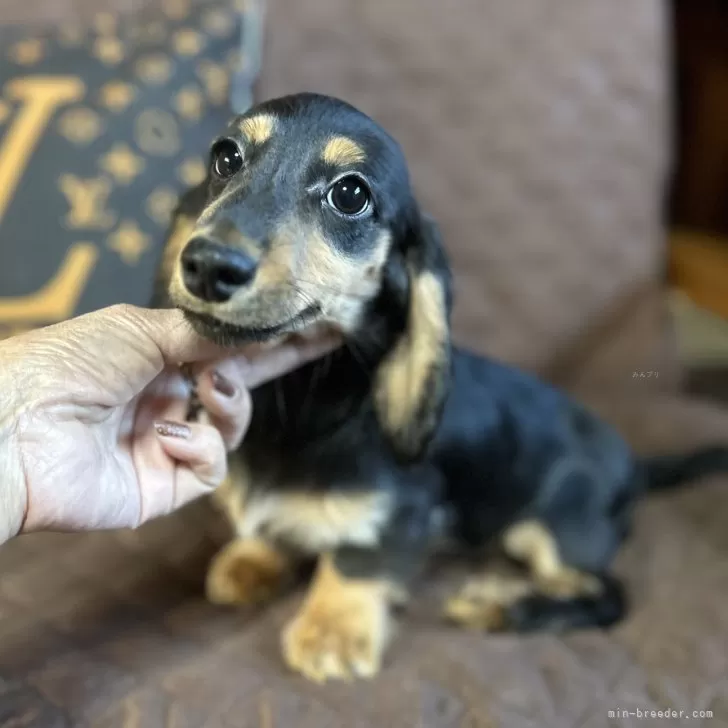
[[538, 135]]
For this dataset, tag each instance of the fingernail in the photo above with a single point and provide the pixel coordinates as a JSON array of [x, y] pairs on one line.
[[222, 385], [167, 428]]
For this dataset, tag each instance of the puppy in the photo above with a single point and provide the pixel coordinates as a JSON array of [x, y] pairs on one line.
[[368, 458]]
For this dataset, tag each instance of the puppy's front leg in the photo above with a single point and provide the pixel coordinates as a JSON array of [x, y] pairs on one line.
[[247, 572], [344, 624]]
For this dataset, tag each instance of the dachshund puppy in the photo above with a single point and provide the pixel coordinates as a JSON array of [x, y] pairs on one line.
[[368, 458]]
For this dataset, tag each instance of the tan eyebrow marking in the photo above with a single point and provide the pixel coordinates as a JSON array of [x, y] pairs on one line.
[[341, 150], [258, 129]]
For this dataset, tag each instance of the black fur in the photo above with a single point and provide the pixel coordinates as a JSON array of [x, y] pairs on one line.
[[504, 446], [540, 613], [666, 471]]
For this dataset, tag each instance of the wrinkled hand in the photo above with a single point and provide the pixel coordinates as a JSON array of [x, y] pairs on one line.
[[92, 417]]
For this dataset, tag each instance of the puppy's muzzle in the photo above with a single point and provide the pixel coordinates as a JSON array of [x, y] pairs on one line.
[[212, 271]]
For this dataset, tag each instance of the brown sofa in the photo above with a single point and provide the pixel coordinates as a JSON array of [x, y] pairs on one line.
[[538, 135]]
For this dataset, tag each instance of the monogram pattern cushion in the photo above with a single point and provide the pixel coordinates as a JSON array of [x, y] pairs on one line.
[[102, 125]]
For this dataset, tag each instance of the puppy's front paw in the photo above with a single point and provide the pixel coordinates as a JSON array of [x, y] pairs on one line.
[[245, 572], [338, 640], [482, 604], [475, 614]]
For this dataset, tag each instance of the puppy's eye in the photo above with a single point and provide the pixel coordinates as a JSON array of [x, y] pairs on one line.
[[350, 196], [227, 160]]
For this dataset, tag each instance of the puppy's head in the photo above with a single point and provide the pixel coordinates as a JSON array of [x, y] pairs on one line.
[[309, 217]]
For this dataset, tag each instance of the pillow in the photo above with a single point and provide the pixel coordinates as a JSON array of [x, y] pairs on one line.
[[101, 128]]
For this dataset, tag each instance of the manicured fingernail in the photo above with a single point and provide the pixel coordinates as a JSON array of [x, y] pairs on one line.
[[222, 385], [167, 428]]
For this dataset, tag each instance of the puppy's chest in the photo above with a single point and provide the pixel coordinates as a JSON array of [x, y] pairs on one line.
[[309, 517]]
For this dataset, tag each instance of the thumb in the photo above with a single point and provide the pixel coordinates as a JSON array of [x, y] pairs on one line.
[[172, 334], [122, 348]]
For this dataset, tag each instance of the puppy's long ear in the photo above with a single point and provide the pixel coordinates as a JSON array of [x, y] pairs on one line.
[[413, 380]]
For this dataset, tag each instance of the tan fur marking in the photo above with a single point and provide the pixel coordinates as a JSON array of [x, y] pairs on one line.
[[246, 572], [230, 496], [258, 129], [403, 378], [227, 233], [277, 266], [301, 267], [532, 543], [178, 237], [323, 263], [314, 522], [305, 520], [248, 246], [342, 151], [336, 280], [342, 629], [482, 602]]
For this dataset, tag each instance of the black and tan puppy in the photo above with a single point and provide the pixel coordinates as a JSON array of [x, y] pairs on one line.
[[367, 458]]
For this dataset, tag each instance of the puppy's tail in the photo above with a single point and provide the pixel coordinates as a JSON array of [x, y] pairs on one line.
[[541, 613], [663, 472]]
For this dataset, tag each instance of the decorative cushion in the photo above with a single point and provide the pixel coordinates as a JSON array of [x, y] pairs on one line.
[[101, 128]]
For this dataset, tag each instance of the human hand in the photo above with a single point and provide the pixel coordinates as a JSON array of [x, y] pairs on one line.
[[92, 417]]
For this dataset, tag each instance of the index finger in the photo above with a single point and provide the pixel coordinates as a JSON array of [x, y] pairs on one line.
[[286, 357]]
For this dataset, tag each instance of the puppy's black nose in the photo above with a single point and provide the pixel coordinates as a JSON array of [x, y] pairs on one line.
[[213, 271]]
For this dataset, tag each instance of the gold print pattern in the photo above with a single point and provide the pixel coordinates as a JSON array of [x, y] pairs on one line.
[[87, 199], [189, 103], [57, 299], [117, 95], [80, 126], [176, 9], [155, 68], [27, 52], [122, 164], [109, 50], [160, 205], [156, 132], [188, 42], [40, 97], [215, 79], [192, 171], [218, 22], [129, 242]]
